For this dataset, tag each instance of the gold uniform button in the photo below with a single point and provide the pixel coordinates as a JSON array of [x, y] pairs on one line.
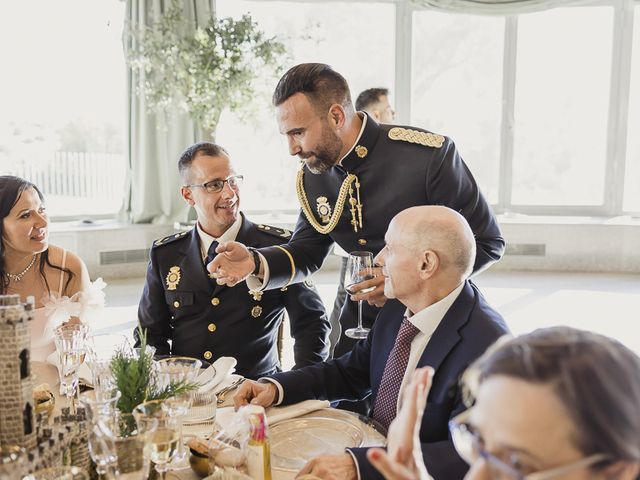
[[176, 304], [215, 301], [207, 355], [212, 327], [362, 241]]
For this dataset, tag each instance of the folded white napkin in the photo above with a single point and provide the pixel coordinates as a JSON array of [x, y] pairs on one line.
[[278, 414], [216, 374], [84, 372]]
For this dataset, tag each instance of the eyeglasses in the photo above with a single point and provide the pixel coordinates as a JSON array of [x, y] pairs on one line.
[[469, 446], [215, 186]]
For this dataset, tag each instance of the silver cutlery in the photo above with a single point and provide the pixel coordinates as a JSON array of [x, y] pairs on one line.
[[223, 392]]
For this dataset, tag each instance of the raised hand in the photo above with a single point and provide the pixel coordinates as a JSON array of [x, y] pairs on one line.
[[376, 296], [233, 264]]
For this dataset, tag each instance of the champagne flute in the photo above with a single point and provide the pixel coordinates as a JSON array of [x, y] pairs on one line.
[[161, 433], [70, 339], [359, 269]]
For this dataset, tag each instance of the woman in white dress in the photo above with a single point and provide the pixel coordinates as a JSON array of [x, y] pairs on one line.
[[30, 266]]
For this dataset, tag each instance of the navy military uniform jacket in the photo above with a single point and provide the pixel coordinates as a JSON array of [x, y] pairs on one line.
[[397, 168], [467, 329], [207, 321]]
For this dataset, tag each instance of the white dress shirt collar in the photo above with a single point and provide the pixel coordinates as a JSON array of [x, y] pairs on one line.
[[428, 319], [206, 240]]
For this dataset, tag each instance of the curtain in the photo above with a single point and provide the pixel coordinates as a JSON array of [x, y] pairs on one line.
[[494, 7], [155, 140]]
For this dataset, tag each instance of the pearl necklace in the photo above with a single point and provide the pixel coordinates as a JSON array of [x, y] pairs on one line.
[[16, 277]]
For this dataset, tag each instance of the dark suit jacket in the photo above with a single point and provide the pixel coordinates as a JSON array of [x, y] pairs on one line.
[[207, 321], [464, 333]]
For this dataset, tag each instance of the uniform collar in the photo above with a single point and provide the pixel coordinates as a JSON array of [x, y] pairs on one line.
[[363, 145], [228, 236]]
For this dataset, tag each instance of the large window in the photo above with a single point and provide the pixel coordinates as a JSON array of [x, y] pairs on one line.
[[456, 87], [63, 101], [314, 32], [632, 177], [561, 106]]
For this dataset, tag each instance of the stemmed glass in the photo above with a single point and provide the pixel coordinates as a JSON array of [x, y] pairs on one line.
[[70, 340], [160, 430], [175, 370], [359, 269]]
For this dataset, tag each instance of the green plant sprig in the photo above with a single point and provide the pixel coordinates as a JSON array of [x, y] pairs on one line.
[[135, 378]]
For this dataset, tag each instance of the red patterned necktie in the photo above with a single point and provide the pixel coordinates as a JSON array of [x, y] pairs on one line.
[[385, 407]]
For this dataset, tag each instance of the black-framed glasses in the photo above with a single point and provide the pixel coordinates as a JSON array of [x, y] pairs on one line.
[[215, 186], [470, 447]]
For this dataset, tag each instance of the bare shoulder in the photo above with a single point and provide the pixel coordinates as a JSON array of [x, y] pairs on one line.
[[73, 262]]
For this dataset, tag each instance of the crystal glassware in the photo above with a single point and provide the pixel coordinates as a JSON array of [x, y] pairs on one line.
[[131, 461], [175, 370], [160, 431], [359, 268], [70, 340], [101, 348]]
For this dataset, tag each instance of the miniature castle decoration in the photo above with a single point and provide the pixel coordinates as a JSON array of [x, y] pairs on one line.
[[65, 442], [17, 417]]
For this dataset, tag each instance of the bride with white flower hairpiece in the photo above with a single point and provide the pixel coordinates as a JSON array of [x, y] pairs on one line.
[[29, 266]]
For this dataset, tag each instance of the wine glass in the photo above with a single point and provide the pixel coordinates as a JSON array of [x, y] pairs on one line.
[[160, 430], [129, 442], [70, 340], [175, 370], [359, 269]]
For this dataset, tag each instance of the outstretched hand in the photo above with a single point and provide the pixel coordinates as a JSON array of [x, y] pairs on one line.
[[233, 264]]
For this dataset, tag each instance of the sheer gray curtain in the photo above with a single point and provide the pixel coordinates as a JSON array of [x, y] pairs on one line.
[[494, 7], [156, 140]]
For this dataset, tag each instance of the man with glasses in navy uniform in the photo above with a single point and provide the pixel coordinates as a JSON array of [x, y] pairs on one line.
[[182, 304]]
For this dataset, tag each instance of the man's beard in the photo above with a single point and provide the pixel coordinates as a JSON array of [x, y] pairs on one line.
[[326, 154]]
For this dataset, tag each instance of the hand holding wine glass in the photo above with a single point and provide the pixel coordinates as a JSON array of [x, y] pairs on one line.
[[359, 269]]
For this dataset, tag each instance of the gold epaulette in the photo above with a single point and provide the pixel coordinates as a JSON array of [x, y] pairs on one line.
[[415, 136], [275, 231], [169, 239]]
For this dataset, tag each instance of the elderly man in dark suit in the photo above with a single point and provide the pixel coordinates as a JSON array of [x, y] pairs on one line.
[[437, 318], [181, 304]]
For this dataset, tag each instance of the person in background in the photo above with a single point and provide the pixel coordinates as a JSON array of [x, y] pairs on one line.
[[182, 305], [436, 318], [30, 266], [375, 101], [557, 403]]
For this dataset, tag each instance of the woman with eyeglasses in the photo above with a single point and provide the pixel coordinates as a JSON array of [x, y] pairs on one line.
[[558, 403], [30, 266]]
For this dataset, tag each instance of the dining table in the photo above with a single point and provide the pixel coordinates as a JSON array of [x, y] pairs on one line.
[[289, 433]]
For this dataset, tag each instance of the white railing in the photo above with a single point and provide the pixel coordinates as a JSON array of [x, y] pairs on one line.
[[76, 174]]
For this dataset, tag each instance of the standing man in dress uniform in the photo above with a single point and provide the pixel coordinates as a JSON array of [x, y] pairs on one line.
[[205, 320], [357, 175]]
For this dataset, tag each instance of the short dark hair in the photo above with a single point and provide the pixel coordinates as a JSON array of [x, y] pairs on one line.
[[595, 377], [320, 83], [201, 148], [370, 96]]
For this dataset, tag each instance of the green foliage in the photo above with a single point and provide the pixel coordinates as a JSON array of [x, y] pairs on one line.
[[205, 70], [135, 378]]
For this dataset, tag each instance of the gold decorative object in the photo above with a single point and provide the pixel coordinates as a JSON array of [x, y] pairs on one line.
[[324, 209], [256, 294], [256, 311], [173, 278], [337, 211], [414, 136], [361, 151]]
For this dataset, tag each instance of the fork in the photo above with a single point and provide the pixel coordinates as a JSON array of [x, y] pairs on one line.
[[223, 393]]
